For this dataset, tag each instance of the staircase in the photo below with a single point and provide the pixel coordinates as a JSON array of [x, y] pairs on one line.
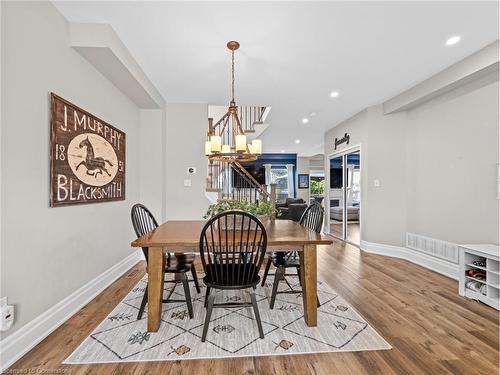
[[252, 118], [230, 181]]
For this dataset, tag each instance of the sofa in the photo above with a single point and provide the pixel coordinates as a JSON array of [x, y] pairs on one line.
[[352, 213], [292, 209]]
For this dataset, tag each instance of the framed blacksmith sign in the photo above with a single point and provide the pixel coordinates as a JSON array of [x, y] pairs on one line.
[[87, 157]]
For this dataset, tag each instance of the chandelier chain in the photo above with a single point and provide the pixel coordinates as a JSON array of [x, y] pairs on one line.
[[232, 75]]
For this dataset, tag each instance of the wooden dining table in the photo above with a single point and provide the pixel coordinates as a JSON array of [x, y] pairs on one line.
[[180, 236]]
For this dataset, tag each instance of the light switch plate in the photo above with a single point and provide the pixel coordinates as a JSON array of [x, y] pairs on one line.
[[376, 183], [187, 183]]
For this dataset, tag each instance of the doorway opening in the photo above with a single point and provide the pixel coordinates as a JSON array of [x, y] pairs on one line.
[[279, 176], [317, 186], [344, 205]]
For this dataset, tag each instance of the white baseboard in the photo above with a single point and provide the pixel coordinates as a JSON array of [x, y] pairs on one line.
[[435, 264], [24, 339]]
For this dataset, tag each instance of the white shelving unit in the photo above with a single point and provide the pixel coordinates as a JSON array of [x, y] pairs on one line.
[[490, 255]]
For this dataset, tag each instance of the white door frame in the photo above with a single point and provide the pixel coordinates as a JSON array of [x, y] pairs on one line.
[[333, 155]]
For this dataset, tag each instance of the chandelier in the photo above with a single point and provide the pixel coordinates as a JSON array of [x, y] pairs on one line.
[[227, 141]]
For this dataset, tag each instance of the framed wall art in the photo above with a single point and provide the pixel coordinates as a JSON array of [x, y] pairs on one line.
[[303, 181], [87, 157]]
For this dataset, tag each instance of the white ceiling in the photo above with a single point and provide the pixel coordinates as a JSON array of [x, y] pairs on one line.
[[293, 55]]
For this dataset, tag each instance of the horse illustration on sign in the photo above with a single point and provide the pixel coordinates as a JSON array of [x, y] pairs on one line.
[[93, 164], [92, 159]]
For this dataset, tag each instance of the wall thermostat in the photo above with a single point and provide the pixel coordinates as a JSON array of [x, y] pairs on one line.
[[191, 170]]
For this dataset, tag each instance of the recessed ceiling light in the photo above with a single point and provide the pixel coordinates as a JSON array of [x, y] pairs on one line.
[[297, 141], [334, 94], [453, 40], [305, 120]]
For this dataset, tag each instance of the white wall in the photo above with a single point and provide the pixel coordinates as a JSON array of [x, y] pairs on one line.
[[302, 168], [385, 209], [172, 140], [316, 163], [47, 253], [436, 166], [152, 161], [452, 155], [185, 140]]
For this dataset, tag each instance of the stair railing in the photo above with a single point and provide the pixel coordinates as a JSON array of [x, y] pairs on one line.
[[233, 182], [249, 116], [250, 184]]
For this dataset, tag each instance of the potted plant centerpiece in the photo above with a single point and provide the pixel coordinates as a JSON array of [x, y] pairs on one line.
[[263, 210]]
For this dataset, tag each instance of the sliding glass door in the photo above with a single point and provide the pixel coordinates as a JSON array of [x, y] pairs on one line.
[[353, 197], [345, 196], [337, 197]]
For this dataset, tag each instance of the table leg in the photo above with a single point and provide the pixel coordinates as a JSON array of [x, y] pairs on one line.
[[308, 274], [156, 272]]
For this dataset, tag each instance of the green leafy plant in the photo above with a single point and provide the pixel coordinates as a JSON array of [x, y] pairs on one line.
[[257, 208], [317, 187]]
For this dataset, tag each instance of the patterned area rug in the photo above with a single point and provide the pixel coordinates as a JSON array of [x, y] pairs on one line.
[[232, 332]]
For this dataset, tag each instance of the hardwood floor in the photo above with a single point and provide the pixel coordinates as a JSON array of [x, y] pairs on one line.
[[431, 328], [353, 233]]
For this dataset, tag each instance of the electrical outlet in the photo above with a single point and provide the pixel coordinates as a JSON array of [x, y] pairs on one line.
[[187, 183], [376, 183], [6, 317]]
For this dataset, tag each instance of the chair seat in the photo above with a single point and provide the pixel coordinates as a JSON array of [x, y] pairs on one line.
[[232, 276], [282, 261], [179, 264], [186, 258]]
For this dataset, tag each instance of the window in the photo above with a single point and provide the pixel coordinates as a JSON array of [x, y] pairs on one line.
[[317, 184], [279, 176], [356, 189]]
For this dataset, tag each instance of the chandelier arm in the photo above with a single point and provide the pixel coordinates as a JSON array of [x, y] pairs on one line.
[[241, 131], [238, 123], [221, 120], [234, 133], [227, 115]]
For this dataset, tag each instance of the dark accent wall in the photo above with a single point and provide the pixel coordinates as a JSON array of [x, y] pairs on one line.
[[277, 160]]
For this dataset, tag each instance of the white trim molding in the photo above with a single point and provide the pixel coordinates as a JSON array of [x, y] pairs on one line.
[[24, 339], [435, 264], [483, 63], [101, 46]]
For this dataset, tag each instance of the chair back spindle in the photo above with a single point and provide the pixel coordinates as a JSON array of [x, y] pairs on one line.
[[232, 249], [143, 222], [312, 217]]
